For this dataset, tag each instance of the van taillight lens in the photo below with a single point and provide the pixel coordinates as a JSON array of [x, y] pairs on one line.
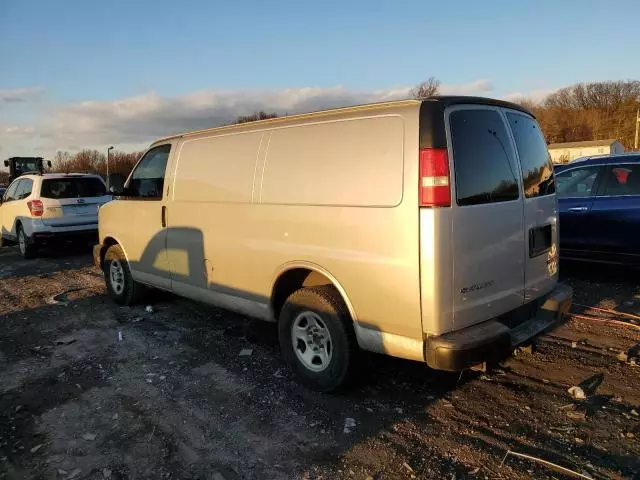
[[36, 208], [435, 190]]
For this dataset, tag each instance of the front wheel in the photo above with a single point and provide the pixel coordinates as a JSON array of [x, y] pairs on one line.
[[27, 248], [317, 339], [122, 288]]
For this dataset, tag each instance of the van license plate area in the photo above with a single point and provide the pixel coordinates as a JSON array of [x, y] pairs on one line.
[[539, 240]]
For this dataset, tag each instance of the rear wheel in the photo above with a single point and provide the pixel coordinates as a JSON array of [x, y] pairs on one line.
[[121, 286], [317, 339], [27, 247]]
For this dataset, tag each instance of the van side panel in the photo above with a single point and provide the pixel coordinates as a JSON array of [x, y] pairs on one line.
[[357, 162], [217, 169], [211, 219], [341, 195], [345, 197]]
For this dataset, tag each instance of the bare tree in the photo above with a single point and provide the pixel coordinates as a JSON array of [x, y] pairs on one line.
[[426, 89], [92, 161], [589, 111], [254, 117]]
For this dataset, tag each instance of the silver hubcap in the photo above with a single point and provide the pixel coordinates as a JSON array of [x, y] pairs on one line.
[[22, 242], [116, 276], [312, 341]]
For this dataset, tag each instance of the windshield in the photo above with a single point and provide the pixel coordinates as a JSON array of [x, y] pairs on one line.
[[23, 166], [72, 188]]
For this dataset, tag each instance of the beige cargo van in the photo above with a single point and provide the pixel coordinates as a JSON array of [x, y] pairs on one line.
[[426, 230]]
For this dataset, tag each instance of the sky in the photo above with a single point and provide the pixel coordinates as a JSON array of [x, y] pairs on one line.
[[82, 74]]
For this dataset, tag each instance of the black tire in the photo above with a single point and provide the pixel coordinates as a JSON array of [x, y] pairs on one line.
[[27, 247], [325, 302], [130, 291]]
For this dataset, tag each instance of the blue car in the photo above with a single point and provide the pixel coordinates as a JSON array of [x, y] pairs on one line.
[[599, 201]]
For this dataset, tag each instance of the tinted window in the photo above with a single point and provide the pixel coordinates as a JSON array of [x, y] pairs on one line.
[[579, 182], [24, 190], [537, 169], [484, 171], [622, 180], [24, 165], [147, 179], [59, 188], [11, 191]]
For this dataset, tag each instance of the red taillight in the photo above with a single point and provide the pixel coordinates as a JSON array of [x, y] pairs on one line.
[[434, 189], [36, 208]]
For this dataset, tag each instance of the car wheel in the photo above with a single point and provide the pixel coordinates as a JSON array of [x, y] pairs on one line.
[[317, 338], [122, 288], [27, 247]]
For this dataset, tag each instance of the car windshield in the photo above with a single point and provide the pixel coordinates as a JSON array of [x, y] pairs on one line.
[[59, 188]]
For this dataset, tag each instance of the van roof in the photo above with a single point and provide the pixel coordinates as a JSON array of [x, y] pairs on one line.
[[442, 101]]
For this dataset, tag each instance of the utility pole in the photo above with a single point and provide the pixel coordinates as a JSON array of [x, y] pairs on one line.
[[108, 153], [637, 128]]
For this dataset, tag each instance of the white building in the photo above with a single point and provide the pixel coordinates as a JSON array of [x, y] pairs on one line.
[[567, 152]]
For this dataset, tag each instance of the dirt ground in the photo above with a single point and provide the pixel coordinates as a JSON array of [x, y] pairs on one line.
[[175, 399]]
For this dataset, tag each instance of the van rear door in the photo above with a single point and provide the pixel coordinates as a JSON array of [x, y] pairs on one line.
[[540, 205], [488, 223]]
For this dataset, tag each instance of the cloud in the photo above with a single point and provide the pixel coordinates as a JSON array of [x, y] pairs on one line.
[[17, 133], [536, 96], [140, 119], [20, 95], [474, 88]]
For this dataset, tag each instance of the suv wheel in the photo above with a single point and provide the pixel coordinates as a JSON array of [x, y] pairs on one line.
[[27, 247], [121, 286], [317, 339]]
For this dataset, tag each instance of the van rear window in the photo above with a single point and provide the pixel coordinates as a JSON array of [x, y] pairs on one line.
[[59, 188], [537, 169], [483, 168]]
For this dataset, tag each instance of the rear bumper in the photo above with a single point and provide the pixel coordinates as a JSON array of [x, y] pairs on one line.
[[36, 228], [53, 236], [492, 340]]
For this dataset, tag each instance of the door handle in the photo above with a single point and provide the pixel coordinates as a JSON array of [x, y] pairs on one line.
[[164, 216], [578, 209]]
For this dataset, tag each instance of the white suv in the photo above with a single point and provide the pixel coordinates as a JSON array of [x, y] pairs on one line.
[[38, 209]]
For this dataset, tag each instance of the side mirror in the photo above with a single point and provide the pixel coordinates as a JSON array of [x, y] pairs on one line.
[[49, 163], [6, 163], [116, 183]]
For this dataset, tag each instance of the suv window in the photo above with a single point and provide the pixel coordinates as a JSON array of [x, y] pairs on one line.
[[579, 182], [484, 170], [10, 194], [622, 180], [537, 168], [24, 189], [59, 188], [147, 180]]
